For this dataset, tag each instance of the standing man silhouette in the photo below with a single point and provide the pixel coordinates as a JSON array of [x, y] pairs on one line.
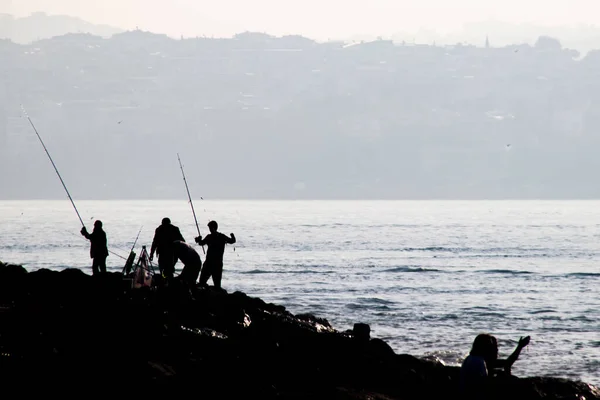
[[213, 264], [98, 247], [162, 244]]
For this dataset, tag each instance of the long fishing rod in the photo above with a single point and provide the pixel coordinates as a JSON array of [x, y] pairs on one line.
[[54, 165], [190, 198]]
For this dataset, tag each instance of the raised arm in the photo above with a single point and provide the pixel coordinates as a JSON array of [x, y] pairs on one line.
[[230, 240], [507, 364]]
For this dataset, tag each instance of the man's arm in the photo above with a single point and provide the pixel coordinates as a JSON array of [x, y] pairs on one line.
[[507, 364], [85, 233], [200, 241], [154, 244], [230, 240]]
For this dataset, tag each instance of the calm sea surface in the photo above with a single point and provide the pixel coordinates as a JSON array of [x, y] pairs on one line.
[[428, 276]]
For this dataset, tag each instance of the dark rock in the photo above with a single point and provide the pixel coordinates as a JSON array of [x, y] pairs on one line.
[[68, 328]]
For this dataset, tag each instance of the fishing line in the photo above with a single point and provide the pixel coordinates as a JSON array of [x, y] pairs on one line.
[[111, 252]]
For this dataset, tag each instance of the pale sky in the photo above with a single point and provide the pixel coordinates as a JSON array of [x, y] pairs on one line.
[[317, 19]]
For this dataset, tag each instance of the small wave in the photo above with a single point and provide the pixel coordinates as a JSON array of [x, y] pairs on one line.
[[546, 311], [412, 269], [550, 318], [435, 248], [584, 274], [505, 271], [257, 271], [291, 272], [376, 300], [476, 308], [582, 318], [297, 266], [33, 248], [355, 306], [491, 314]]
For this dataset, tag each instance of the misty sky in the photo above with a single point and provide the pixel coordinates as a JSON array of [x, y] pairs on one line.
[[318, 19]]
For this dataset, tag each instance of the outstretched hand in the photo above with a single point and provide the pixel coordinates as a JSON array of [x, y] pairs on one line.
[[198, 239], [232, 235], [83, 231], [524, 341]]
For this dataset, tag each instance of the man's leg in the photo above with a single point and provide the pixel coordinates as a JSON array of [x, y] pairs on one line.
[[166, 265], [102, 265], [217, 273], [95, 266], [169, 270]]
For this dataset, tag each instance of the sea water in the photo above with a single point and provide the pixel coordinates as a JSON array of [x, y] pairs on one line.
[[428, 276]]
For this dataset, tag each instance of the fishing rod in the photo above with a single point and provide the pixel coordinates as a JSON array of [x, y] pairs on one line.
[[60, 177], [136, 238], [54, 165], [130, 260], [190, 198]]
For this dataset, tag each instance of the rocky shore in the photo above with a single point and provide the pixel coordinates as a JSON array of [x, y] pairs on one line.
[[69, 333]]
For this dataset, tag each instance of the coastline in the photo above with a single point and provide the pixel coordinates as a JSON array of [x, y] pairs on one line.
[[68, 328]]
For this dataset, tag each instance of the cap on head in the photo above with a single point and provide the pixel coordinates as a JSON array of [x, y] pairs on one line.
[[212, 225], [166, 221], [98, 223]]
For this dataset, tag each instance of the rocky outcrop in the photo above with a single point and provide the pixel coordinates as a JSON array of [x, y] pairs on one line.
[[63, 331]]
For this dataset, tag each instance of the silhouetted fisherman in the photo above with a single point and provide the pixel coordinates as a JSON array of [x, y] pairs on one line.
[[191, 262], [98, 247], [162, 244], [213, 265]]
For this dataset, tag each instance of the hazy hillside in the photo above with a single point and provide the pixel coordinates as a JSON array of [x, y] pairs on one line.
[[258, 116], [581, 37], [42, 26]]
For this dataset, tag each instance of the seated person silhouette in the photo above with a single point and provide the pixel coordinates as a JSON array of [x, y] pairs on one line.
[[483, 363]]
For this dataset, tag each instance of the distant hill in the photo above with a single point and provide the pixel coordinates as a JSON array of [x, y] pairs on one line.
[[258, 116], [43, 26]]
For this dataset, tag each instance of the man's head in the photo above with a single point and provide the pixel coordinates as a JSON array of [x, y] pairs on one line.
[[166, 221], [98, 224], [213, 226]]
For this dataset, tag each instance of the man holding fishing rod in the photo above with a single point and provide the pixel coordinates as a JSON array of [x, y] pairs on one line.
[[98, 247]]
